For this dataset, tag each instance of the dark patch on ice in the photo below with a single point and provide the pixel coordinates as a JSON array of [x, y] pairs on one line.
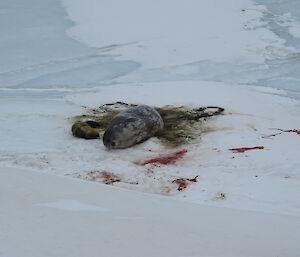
[[181, 124]]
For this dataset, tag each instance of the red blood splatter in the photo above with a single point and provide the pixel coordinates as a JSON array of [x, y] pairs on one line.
[[166, 159], [244, 149], [184, 182], [297, 131], [109, 178]]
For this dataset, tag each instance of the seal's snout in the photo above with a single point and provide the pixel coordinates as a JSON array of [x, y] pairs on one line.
[[107, 139], [110, 145]]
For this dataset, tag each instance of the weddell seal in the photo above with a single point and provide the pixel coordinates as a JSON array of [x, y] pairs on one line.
[[132, 126]]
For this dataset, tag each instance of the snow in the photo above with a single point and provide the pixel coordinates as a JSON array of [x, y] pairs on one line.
[[182, 33], [263, 180], [134, 224], [32, 34], [72, 205], [60, 58]]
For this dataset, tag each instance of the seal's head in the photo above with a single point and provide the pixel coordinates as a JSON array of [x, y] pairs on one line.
[[120, 134], [110, 139], [132, 126]]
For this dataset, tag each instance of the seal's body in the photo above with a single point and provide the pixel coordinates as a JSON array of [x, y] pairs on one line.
[[132, 126]]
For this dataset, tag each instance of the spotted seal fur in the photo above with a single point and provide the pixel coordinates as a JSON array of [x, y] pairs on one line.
[[132, 126]]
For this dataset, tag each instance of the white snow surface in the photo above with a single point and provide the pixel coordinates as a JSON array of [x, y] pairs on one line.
[[265, 179], [72, 205], [134, 224], [171, 32], [58, 62]]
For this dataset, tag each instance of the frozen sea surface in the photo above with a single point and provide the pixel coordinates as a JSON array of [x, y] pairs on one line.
[[57, 56], [283, 18], [37, 53]]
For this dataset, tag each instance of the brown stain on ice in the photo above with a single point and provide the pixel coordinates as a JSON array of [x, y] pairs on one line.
[[109, 178], [106, 177], [172, 107], [181, 124]]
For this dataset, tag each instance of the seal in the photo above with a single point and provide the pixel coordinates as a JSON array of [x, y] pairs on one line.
[[132, 126]]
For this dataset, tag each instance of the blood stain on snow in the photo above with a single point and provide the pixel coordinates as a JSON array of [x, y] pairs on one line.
[[165, 159], [109, 178], [244, 149], [106, 177], [184, 182], [297, 131]]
